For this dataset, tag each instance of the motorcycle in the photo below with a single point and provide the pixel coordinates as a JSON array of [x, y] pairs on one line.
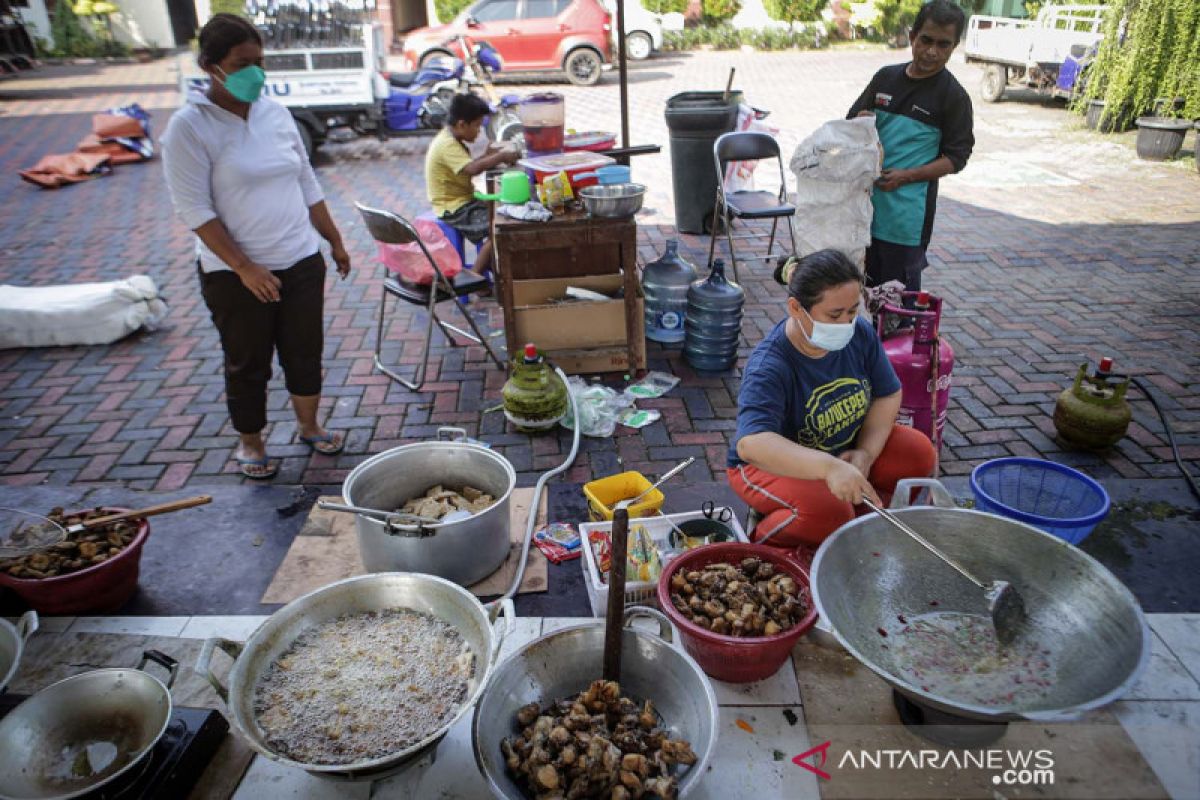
[[480, 61]]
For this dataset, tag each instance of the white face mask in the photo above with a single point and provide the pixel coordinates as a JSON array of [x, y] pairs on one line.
[[828, 335]]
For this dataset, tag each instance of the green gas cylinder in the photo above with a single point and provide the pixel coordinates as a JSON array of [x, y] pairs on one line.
[[535, 399], [1093, 414]]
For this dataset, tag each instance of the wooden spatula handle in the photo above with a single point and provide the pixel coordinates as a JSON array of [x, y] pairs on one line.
[[161, 508], [616, 596]]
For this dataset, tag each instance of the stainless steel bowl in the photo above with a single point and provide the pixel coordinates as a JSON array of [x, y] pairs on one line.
[[426, 593], [566, 661], [12, 644], [1100, 641], [614, 200]]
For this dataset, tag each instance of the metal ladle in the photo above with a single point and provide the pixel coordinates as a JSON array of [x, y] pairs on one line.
[[1004, 602], [671, 473], [384, 516]]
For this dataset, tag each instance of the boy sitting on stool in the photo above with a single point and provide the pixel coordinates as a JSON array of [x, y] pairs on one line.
[[449, 169]]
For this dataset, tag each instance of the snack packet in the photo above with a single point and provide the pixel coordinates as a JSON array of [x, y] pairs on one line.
[[559, 541]]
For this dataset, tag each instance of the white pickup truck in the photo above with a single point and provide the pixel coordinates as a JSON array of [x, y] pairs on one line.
[[1032, 53], [323, 87]]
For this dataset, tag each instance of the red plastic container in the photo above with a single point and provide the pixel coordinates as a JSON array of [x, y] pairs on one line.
[[595, 141], [101, 589], [736, 659], [574, 164]]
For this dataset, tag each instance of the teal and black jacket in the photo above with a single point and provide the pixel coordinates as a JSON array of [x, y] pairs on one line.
[[918, 121]]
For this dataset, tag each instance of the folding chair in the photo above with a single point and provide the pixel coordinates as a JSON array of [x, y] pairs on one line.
[[748, 146], [390, 228]]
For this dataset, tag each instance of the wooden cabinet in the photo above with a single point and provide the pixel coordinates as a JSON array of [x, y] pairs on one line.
[[536, 262]]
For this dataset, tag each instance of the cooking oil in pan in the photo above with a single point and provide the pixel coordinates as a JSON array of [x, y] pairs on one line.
[[957, 656]]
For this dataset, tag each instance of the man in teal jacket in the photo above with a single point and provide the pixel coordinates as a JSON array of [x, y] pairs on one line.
[[924, 119]]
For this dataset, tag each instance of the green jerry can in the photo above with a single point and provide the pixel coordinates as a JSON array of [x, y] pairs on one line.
[[535, 398], [1093, 414]]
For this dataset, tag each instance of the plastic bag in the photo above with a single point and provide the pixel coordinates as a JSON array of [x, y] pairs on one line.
[[599, 408], [655, 384], [78, 313], [739, 175], [835, 169], [409, 263]]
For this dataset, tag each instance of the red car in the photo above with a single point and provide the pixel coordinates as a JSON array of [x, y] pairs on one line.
[[530, 35]]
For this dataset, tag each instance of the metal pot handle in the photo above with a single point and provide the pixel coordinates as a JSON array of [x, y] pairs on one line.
[[27, 625], [665, 631], [506, 609], [938, 494], [164, 661], [204, 662], [450, 433]]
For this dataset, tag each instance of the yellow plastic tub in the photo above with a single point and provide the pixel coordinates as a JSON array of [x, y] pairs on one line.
[[604, 494]]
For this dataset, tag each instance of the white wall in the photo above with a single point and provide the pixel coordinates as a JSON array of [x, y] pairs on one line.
[[142, 22], [36, 20]]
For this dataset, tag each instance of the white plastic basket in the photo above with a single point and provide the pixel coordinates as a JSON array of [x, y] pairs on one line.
[[642, 593]]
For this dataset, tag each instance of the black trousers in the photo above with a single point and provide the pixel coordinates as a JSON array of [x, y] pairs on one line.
[[252, 331], [888, 261]]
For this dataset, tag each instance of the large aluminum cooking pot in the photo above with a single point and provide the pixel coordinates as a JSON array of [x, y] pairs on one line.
[[565, 662], [84, 732], [464, 552], [426, 593], [867, 573], [12, 643]]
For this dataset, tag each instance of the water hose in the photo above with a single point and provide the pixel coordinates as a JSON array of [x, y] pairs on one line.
[[1170, 436], [537, 497]]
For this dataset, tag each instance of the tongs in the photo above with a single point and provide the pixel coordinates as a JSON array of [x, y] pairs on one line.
[[1004, 602]]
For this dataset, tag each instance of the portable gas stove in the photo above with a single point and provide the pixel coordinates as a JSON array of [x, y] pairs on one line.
[[944, 728], [176, 761]]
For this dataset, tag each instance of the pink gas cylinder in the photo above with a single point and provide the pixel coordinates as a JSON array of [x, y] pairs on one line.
[[911, 352]]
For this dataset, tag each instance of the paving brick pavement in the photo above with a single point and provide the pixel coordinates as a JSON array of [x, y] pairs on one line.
[[1055, 246]]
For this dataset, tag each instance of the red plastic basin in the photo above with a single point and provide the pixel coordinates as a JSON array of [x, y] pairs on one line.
[[736, 659], [99, 589]]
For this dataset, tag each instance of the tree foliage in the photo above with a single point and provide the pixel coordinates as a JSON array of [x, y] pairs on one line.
[[1150, 50], [718, 11], [449, 9], [665, 6], [791, 11]]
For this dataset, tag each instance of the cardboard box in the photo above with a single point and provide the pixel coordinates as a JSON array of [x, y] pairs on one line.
[[589, 361], [574, 325]]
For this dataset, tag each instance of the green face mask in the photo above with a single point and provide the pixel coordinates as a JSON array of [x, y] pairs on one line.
[[246, 84]]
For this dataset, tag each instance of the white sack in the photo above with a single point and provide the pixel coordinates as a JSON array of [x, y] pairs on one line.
[[83, 313], [835, 170]]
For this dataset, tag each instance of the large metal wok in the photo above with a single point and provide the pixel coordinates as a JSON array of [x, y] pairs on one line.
[[426, 593], [12, 644], [566, 661], [867, 573], [84, 732]]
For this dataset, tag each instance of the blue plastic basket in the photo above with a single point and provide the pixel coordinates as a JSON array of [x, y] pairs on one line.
[[1061, 501]]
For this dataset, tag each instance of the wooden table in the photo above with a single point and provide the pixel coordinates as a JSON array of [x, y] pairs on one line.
[[537, 261]]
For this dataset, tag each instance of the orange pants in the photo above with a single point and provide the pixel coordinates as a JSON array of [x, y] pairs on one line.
[[805, 512]]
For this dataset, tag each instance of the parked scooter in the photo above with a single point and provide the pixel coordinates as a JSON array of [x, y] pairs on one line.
[[480, 62], [421, 100]]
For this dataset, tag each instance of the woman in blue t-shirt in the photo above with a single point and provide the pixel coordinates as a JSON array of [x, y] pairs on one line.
[[816, 424]]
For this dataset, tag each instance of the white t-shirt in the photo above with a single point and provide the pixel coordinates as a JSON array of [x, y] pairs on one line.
[[252, 174]]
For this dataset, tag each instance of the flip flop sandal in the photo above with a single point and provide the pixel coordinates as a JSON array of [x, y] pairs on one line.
[[246, 463], [313, 441]]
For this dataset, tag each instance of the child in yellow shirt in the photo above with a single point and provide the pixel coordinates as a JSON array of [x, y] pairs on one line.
[[449, 169]]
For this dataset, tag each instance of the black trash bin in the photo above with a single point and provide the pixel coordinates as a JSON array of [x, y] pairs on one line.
[[695, 120]]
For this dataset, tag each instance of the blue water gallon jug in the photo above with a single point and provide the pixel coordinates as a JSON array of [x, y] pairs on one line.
[[713, 325], [665, 284]]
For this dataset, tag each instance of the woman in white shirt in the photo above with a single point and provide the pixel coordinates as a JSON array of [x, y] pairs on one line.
[[239, 177]]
